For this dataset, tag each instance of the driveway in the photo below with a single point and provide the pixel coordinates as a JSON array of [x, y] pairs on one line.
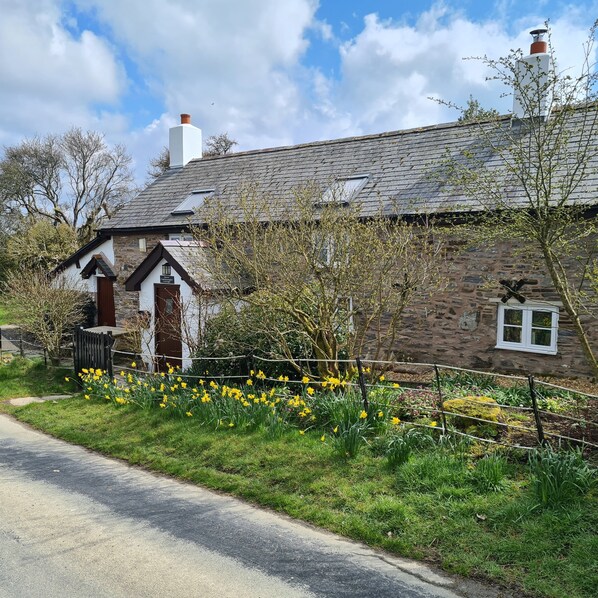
[[73, 523]]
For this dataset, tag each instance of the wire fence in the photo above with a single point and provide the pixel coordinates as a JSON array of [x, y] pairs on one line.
[[495, 408], [14, 341]]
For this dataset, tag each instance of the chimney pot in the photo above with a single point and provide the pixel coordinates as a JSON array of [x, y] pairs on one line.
[[185, 119], [539, 45]]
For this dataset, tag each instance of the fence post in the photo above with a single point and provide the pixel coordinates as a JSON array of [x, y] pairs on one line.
[[362, 386], [108, 342], [532, 392], [440, 401], [0, 344], [21, 342]]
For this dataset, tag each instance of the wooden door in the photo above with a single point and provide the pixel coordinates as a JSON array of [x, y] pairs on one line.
[[106, 316], [169, 346]]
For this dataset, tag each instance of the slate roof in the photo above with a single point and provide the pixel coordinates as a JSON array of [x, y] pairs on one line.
[[187, 258], [101, 262], [404, 168]]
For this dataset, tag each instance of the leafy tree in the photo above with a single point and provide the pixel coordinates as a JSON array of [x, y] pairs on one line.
[[528, 177], [342, 282], [73, 179], [41, 244]]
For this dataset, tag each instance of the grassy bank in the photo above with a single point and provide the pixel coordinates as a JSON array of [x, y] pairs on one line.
[[435, 506], [30, 378]]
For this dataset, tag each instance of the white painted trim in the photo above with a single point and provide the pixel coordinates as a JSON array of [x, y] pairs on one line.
[[526, 327]]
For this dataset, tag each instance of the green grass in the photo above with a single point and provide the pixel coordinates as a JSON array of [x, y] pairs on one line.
[[31, 378], [432, 507]]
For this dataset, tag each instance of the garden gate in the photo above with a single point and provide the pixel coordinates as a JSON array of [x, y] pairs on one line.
[[92, 350]]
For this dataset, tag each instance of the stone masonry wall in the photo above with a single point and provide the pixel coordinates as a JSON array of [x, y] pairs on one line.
[[458, 326], [128, 257]]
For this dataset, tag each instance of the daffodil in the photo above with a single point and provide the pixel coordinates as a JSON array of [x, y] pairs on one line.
[[395, 421], [310, 390], [363, 415], [323, 438], [305, 380]]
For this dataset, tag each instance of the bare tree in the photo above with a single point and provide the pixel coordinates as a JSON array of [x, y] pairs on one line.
[[48, 308], [530, 177], [73, 179], [342, 281], [159, 165], [219, 145]]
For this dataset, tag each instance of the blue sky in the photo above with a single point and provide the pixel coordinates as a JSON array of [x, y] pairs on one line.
[[268, 72]]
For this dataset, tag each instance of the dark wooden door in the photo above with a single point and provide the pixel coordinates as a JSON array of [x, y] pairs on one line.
[[169, 346], [106, 315]]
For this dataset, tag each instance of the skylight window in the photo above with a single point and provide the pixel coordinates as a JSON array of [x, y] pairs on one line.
[[342, 191], [193, 201]]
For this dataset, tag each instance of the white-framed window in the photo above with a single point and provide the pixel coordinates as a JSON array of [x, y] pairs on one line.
[[531, 327]]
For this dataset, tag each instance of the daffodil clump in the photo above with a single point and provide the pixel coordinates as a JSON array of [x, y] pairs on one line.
[[331, 408]]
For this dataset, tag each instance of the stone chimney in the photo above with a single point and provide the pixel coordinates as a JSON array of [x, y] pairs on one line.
[[532, 94], [184, 142]]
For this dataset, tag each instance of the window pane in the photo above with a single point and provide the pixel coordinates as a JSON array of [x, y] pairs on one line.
[[542, 319], [511, 334], [541, 337], [514, 317]]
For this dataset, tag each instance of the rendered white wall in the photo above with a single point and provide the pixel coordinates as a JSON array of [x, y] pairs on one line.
[[531, 96], [72, 274], [147, 303], [184, 144]]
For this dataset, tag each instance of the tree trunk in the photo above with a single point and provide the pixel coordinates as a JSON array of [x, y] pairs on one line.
[[561, 285]]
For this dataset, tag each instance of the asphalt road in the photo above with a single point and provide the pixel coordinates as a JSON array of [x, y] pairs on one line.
[[73, 523]]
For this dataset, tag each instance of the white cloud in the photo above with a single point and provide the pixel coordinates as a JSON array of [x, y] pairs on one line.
[[240, 67], [231, 64], [390, 70], [50, 78]]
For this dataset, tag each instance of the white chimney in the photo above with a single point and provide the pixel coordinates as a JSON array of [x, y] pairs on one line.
[[184, 142], [532, 93]]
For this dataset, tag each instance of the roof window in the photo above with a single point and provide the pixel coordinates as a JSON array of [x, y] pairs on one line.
[[193, 201], [342, 191]]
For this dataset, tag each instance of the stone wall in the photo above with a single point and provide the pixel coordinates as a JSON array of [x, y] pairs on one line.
[[458, 325], [127, 258]]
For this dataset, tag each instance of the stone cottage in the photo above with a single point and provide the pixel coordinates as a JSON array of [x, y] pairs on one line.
[[144, 259]]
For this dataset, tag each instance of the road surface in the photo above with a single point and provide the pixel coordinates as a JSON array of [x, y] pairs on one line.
[[73, 523]]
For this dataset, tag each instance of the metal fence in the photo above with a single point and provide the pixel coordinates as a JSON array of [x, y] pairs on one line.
[[532, 411]]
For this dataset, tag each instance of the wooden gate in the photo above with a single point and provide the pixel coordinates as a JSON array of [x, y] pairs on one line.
[[92, 350]]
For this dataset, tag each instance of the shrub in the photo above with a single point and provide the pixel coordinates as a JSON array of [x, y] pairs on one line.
[[560, 477], [242, 332], [467, 410]]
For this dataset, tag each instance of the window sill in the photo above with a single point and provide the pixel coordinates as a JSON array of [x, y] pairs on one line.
[[539, 351]]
